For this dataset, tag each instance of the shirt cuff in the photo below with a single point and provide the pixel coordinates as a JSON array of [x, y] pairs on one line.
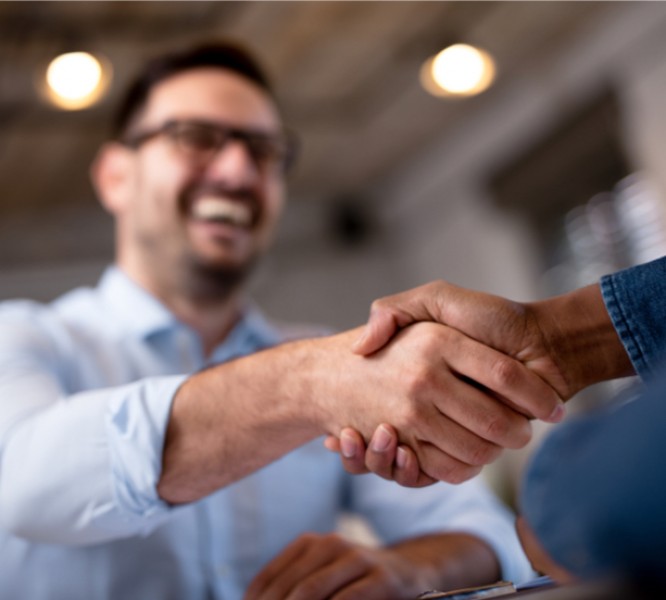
[[634, 301], [136, 424]]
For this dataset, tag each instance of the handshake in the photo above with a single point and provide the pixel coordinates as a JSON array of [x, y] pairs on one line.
[[462, 373]]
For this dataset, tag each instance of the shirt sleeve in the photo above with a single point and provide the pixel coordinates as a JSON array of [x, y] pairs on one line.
[[636, 302], [75, 468], [397, 513], [594, 493]]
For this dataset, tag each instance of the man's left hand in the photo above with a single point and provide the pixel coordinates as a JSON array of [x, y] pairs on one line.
[[319, 567]]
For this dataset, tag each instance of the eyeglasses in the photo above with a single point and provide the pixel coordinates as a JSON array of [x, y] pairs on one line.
[[200, 141]]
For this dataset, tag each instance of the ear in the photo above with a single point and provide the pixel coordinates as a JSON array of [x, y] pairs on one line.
[[112, 175]]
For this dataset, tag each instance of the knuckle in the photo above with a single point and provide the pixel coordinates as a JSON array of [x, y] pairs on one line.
[[418, 380], [410, 417], [484, 454], [379, 305], [505, 372], [498, 429]]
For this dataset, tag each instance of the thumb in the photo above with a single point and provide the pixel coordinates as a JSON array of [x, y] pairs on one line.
[[379, 329], [391, 313]]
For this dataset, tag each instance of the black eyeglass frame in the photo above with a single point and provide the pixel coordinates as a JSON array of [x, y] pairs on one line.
[[288, 138]]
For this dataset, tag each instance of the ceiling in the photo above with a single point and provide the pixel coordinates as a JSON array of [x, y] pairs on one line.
[[346, 74]]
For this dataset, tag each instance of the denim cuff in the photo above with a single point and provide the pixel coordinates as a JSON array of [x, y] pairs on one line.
[[635, 300]]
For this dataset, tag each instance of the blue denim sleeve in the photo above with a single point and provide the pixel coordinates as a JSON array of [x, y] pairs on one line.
[[594, 493], [636, 302]]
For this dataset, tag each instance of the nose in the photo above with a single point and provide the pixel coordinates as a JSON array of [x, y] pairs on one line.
[[234, 164]]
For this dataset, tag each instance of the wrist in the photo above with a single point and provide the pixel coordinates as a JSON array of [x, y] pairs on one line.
[[579, 336]]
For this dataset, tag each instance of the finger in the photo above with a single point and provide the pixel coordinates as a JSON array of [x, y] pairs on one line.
[[505, 376], [398, 463], [367, 588], [457, 442], [484, 416], [441, 466], [407, 471], [390, 461], [380, 328], [324, 583], [381, 453], [332, 443], [276, 567], [391, 313], [352, 451], [320, 551]]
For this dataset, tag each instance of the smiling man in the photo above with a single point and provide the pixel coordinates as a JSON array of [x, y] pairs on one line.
[[159, 440]]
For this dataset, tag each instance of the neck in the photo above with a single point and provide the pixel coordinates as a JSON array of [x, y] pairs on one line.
[[212, 320], [207, 301]]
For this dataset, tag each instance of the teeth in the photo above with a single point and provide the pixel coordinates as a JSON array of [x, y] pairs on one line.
[[219, 209]]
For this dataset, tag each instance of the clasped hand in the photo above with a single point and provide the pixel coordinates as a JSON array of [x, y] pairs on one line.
[[318, 567], [495, 373]]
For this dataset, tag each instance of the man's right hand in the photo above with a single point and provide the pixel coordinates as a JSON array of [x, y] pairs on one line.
[[455, 402]]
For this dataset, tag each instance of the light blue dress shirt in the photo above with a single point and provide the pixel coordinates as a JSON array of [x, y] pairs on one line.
[[86, 385]]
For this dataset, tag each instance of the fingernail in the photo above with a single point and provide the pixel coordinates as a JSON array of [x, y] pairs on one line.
[[558, 414], [347, 445], [401, 458], [381, 439]]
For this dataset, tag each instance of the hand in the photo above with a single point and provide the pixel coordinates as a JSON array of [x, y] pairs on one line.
[[509, 327], [318, 567], [384, 456], [425, 384]]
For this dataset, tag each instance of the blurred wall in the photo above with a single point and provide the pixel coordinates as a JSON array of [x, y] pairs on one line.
[[435, 218]]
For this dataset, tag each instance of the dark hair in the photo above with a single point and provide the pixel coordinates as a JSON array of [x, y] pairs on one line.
[[223, 55]]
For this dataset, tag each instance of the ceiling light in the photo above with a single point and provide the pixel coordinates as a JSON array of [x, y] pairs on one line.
[[76, 80], [459, 70]]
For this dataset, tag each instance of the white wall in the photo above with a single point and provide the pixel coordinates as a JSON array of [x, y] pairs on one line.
[[435, 219]]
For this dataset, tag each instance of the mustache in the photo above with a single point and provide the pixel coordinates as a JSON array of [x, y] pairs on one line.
[[196, 190]]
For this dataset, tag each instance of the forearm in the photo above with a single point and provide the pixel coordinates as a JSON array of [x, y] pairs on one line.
[[447, 561], [235, 418], [579, 336]]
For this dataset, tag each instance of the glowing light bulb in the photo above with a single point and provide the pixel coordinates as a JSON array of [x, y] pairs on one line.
[[76, 80], [459, 70]]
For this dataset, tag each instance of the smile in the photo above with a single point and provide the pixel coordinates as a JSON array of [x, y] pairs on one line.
[[220, 209]]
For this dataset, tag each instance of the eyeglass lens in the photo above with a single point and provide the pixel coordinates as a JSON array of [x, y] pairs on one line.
[[201, 141]]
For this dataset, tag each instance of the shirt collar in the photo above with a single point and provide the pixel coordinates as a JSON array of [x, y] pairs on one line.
[[136, 309], [140, 313]]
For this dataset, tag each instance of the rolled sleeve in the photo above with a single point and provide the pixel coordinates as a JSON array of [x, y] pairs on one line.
[[136, 424], [635, 300]]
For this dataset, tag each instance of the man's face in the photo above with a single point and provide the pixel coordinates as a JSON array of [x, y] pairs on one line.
[[217, 213]]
